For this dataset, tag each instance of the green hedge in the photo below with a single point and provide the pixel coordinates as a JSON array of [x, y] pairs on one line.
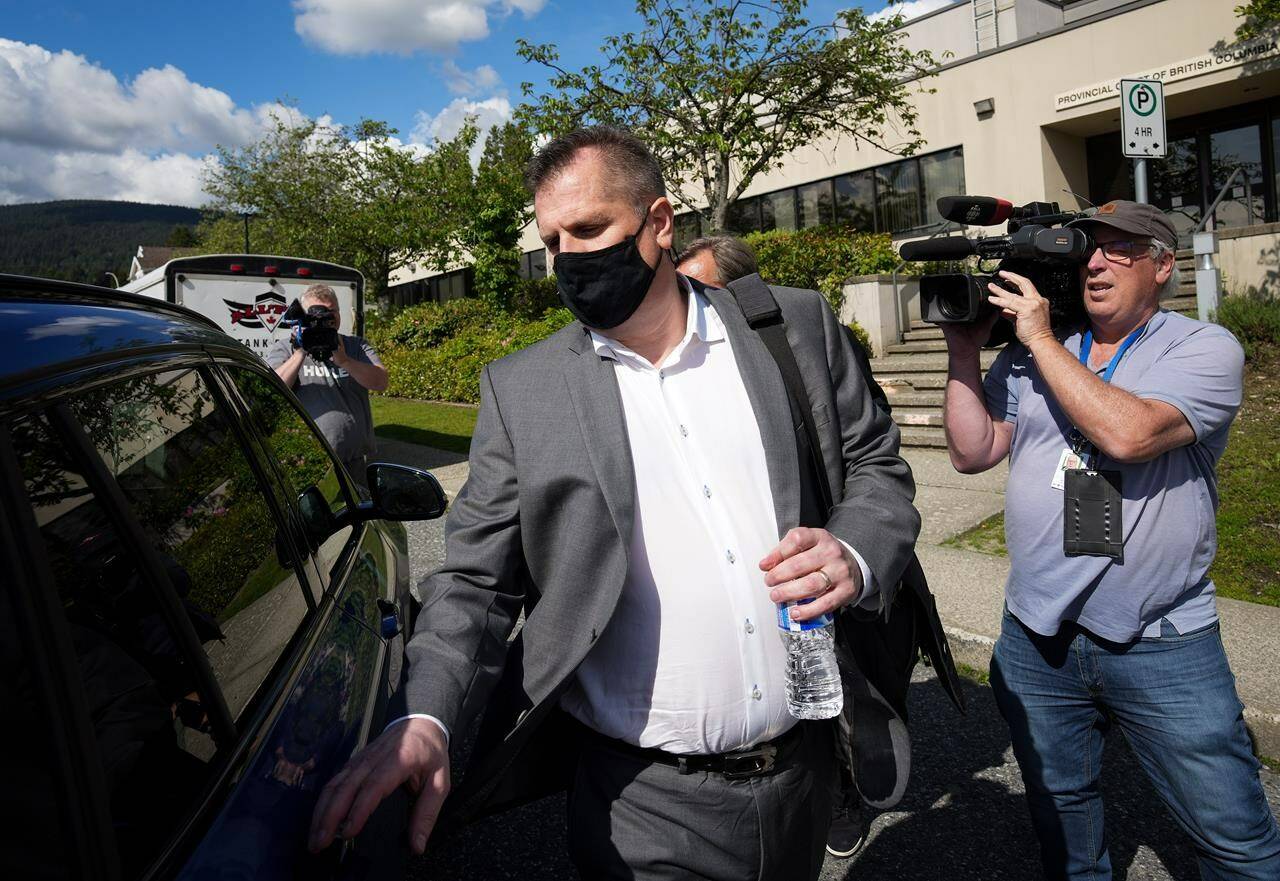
[[1254, 319], [822, 258], [450, 369]]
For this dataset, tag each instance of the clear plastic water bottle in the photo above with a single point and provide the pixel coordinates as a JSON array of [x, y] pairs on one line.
[[813, 679]]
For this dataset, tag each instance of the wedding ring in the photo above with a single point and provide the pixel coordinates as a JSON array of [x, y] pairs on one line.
[[826, 578]]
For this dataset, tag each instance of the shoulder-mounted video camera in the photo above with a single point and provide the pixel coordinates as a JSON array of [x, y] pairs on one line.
[[1037, 246], [315, 329]]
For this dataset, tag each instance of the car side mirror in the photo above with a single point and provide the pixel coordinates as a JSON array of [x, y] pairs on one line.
[[404, 493]]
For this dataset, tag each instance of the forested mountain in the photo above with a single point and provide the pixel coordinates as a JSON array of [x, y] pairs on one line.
[[80, 239]]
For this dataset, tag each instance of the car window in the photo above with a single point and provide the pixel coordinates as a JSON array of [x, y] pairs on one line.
[[198, 501], [34, 839], [310, 470]]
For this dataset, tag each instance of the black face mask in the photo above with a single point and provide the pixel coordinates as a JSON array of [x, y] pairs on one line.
[[604, 288]]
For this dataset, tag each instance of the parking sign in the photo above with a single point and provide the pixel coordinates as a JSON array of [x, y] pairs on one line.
[[1142, 119]]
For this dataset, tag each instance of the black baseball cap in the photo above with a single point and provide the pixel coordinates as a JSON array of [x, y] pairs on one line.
[[1137, 218]]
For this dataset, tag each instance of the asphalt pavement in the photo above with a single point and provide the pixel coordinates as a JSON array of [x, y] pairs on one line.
[[964, 816]]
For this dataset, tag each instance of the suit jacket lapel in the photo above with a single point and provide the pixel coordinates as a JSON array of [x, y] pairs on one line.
[[593, 387], [768, 396]]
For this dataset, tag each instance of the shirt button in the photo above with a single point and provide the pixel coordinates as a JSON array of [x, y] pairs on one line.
[[706, 490], [751, 628], [728, 555], [755, 693], [662, 374], [684, 432]]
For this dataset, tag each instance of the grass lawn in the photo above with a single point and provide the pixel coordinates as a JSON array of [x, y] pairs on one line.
[[1248, 563], [443, 426]]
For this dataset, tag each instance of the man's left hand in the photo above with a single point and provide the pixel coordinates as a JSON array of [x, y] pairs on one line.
[[1029, 312], [340, 356], [812, 563]]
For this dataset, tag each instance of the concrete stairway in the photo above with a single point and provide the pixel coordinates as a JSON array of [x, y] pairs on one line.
[[913, 373]]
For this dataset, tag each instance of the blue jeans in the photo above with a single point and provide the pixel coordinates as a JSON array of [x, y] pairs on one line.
[[1174, 698]]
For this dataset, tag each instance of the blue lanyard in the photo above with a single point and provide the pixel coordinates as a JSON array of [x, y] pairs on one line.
[[1086, 345]]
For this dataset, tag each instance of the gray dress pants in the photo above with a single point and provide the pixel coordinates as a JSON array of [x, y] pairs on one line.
[[630, 819]]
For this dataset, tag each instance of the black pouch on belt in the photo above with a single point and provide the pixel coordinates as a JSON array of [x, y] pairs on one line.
[[1092, 516]]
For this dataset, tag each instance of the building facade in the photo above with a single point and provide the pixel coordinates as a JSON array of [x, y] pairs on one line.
[[1025, 106]]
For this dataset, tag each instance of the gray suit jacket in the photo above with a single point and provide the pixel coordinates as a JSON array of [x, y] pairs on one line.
[[544, 524]]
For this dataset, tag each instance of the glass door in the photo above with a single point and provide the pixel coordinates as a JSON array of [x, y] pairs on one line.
[[1245, 202], [1176, 187]]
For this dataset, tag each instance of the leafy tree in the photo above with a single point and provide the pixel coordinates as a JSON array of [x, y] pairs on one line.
[[1260, 18], [501, 211], [354, 196], [182, 236], [721, 91]]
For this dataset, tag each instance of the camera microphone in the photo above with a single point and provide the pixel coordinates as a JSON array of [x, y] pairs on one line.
[[975, 210], [949, 248]]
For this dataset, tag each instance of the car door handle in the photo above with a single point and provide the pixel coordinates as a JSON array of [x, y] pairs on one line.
[[389, 613]]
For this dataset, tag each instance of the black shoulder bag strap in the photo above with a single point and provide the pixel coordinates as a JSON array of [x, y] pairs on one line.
[[764, 316]]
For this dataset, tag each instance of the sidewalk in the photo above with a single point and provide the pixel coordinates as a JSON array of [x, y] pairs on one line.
[[969, 588]]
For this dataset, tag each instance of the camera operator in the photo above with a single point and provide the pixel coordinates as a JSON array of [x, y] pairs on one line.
[[1109, 613], [334, 391]]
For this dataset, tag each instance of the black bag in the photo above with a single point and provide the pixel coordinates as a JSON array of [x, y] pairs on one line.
[[877, 653]]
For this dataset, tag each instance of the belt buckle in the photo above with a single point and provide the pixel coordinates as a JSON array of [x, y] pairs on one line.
[[753, 763]]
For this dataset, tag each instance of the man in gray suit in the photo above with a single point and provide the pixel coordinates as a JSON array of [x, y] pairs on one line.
[[635, 490]]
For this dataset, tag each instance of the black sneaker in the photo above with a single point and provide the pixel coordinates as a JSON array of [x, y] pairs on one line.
[[849, 826]]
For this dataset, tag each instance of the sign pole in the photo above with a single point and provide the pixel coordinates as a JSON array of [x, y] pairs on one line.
[[1140, 181]]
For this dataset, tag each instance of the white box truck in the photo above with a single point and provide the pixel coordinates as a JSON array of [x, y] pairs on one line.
[[247, 294]]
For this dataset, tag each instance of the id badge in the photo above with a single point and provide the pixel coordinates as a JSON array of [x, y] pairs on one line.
[[1092, 516], [1068, 460]]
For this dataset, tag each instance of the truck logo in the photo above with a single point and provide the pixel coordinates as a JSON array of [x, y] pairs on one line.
[[265, 311]]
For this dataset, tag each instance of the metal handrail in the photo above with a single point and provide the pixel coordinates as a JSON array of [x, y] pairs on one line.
[[1222, 194]]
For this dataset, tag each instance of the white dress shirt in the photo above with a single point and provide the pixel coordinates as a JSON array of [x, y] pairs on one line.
[[692, 660]]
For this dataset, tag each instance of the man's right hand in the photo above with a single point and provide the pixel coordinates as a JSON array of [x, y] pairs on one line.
[[413, 752], [968, 339]]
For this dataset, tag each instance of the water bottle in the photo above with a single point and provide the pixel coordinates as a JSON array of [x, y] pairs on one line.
[[813, 679]]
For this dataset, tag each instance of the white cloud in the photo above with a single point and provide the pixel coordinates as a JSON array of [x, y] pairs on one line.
[[71, 129], [910, 9], [484, 79], [358, 27], [449, 121]]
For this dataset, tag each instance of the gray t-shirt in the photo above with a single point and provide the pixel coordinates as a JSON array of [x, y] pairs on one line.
[[1170, 502], [338, 404]]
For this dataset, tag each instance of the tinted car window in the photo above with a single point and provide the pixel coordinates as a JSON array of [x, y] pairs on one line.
[[308, 467], [192, 488], [198, 501], [33, 839]]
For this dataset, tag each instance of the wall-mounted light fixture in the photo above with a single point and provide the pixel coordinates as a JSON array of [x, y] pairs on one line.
[[985, 107]]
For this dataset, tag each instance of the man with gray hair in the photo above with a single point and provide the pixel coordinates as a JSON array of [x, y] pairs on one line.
[[1114, 430], [636, 490], [717, 260], [334, 391]]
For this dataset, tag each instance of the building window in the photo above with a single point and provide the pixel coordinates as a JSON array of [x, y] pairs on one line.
[[533, 264], [814, 205], [744, 216], [688, 228], [898, 196], [778, 210], [941, 174], [856, 200]]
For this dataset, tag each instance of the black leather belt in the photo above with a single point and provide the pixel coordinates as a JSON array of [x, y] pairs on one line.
[[755, 762]]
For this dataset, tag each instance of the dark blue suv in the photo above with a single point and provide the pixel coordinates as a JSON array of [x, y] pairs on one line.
[[199, 619]]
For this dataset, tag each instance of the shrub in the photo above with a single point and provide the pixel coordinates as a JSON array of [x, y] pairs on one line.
[[821, 258], [534, 296], [1254, 319], [861, 335], [429, 324], [450, 370]]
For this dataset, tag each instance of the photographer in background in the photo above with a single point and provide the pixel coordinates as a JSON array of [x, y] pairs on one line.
[[1110, 615], [334, 390]]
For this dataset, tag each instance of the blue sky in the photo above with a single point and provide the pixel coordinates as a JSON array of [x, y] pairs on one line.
[[126, 99]]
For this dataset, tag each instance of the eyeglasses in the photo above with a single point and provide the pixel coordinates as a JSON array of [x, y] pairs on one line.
[[1125, 252]]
